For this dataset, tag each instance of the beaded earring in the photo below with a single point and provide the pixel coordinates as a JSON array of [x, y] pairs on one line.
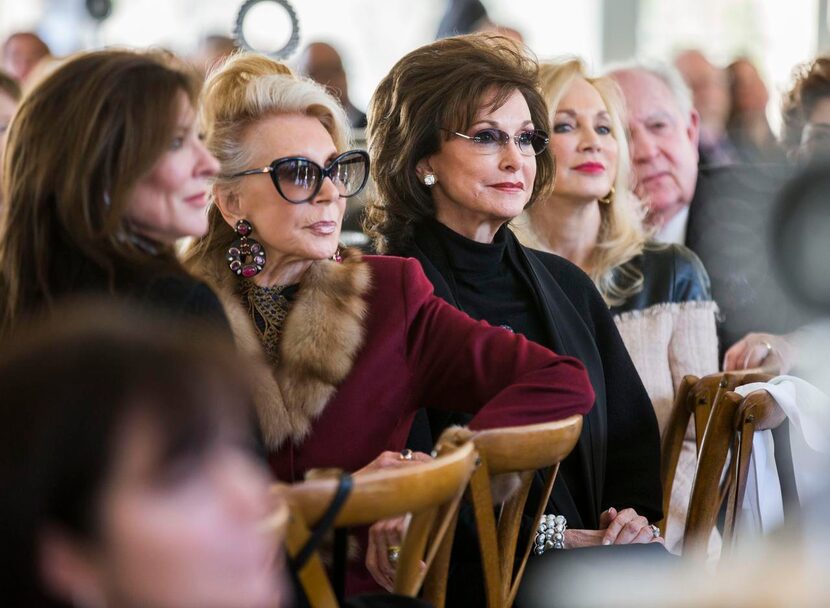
[[246, 257]]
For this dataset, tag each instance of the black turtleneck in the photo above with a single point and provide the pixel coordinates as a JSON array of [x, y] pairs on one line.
[[489, 284]]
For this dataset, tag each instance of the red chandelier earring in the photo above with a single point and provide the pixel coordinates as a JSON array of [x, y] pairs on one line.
[[246, 256]]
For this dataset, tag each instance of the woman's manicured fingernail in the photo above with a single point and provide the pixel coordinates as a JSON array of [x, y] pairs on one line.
[[605, 541]]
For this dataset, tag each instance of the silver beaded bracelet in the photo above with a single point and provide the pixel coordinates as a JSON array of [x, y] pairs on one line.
[[550, 534]]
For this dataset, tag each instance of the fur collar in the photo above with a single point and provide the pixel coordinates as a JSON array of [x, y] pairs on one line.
[[322, 336]]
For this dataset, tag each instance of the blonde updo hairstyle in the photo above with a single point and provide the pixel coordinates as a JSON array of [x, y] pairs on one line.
[[621, 234], [237, 95]]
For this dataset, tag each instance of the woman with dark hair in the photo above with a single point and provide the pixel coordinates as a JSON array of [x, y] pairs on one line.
[[104, 171], [457, 134], [127, 472]]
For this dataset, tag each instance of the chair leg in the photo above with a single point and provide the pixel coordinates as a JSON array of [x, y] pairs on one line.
[[312, 576], [543, 501], [435, 585], [408, 575], [482, 499]]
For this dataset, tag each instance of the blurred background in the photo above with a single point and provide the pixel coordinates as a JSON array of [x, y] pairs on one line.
[[372, 34]]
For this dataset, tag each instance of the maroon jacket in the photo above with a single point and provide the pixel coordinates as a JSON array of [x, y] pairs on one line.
[[421, 351], [365, 345]]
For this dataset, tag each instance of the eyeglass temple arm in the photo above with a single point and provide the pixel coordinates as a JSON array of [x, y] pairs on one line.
[[252, 172]]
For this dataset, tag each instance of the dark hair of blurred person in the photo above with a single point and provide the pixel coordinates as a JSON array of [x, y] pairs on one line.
[[805, 132], [104, 170], [747, 124], [21, 53], [127, 470], [10, 94], [322, 63]]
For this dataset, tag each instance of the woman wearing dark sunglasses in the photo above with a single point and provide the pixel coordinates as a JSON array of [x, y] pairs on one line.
[[456, 135], [349, 346]]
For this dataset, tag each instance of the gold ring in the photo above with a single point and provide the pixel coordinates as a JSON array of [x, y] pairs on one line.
[[393, 552], [406, 454]]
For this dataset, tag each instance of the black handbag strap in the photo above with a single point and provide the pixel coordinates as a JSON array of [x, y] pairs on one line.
[[344, 488]]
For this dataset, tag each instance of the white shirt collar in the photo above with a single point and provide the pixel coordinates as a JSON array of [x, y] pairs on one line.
[[674, 231]]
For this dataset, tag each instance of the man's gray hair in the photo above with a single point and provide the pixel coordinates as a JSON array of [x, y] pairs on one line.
[[668, 74]]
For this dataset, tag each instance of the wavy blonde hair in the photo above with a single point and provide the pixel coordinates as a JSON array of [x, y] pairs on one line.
[[622, 235], [238, 93]]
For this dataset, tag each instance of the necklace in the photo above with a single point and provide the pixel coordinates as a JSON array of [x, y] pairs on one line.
[[268, 308]]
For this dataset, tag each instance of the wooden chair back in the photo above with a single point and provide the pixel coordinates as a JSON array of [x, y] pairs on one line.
[[518, 452], [430, 492], [694, 397], [706, 391], [730, 430]]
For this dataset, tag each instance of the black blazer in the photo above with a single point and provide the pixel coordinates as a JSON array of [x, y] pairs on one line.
[[616, 461]]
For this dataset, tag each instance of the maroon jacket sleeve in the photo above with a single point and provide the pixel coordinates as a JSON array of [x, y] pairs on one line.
[[470, 366]]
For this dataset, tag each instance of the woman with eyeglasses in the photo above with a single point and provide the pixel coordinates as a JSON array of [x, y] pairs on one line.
[[104, 171], [458, 139], [349, 346]]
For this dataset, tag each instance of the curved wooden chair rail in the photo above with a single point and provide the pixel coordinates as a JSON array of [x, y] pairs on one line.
[[694, 397], [430, 492], [730, 429], [519, 452]]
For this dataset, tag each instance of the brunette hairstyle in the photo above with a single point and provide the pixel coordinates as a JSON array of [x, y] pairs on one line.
[[10, 87], [811, 84], [72, 387], [79, 143], [621, 234], [238, 94], [440, 86]]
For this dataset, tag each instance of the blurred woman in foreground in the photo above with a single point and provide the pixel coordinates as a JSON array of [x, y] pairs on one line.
[[127, 465]]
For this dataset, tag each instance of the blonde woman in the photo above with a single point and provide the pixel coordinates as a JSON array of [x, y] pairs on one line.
[[659, 295]]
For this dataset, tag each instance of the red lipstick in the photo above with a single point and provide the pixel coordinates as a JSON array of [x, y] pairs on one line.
[[509, 186], [591, 168]]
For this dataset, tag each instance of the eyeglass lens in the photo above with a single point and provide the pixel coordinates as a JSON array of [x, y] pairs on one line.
[[530, 142], [298, 180]]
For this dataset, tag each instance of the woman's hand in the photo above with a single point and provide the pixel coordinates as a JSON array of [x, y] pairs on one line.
[[773, 353], [625, 527], [392, 460], [386, 536]]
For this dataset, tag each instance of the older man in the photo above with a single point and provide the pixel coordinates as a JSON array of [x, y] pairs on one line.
[[721, 213]]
